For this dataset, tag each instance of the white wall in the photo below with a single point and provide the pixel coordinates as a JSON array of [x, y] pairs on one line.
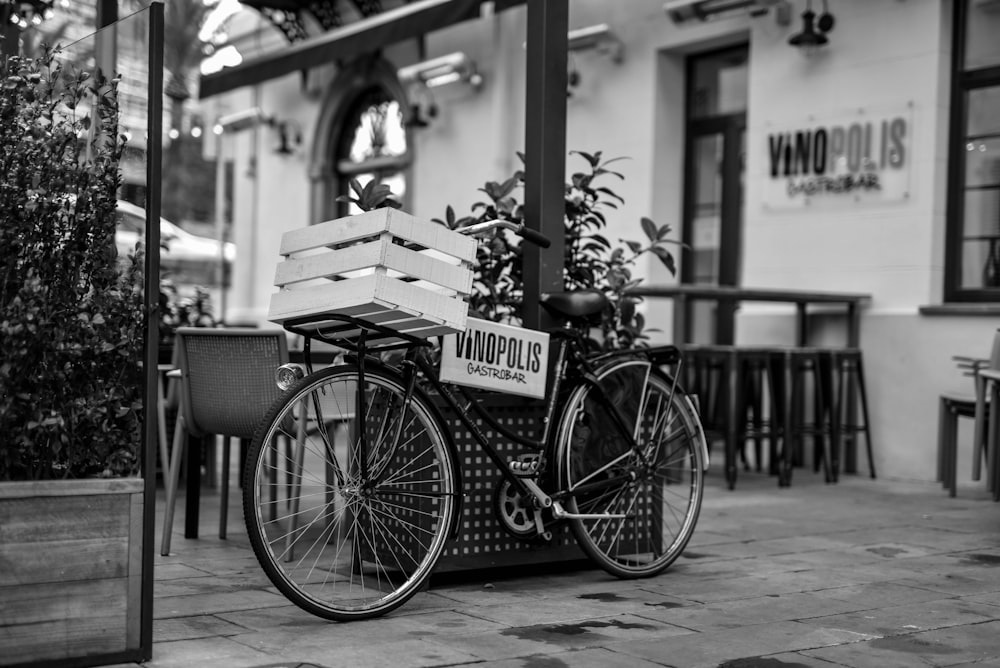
[[884, 57]]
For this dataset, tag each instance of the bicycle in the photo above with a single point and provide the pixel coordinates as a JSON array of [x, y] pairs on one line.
[[351, 528]]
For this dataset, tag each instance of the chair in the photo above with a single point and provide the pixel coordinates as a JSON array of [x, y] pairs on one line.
[[226, 380], [976, 406], [989, 394]]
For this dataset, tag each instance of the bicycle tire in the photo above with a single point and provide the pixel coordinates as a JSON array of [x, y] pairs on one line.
[[660, 499], [339, 544]]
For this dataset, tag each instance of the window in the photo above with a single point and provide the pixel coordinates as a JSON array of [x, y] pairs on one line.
[[372, 145], [972, 260]]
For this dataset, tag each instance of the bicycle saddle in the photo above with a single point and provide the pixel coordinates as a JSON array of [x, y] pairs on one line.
[[576, 304]]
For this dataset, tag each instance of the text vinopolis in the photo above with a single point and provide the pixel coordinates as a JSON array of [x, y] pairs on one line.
[[486, 351], [820, 156]]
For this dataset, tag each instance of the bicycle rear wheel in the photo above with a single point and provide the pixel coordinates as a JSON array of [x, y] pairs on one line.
[[349, 529], [647, 499]]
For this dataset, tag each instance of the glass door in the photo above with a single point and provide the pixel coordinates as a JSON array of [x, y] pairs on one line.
[[713, 201]]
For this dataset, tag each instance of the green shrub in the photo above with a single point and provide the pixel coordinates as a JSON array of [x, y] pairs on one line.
[[592, 261], [71, 320]]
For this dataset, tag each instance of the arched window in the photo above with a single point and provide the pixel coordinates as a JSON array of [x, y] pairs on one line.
[[371, 145]]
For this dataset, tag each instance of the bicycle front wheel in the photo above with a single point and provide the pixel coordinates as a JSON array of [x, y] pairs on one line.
[[349, 495], [641, 503]]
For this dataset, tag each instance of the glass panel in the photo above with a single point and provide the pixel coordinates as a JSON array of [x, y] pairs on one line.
[[982, 162], [706, 230], [981, 241], [706, 220], [95, 405], [719, 84], [378, 129], [373, 146], [984, 112], [982, 48]]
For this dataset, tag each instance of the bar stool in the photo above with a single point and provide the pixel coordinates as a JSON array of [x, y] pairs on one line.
[[851, 396], [738, 395], [759, 403], [709, 375], [805, 369]]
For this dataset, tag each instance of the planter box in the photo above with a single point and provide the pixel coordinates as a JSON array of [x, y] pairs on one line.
[[482, 542], [381, 266], [70, 581]]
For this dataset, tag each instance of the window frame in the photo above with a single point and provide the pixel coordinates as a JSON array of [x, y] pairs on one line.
[[963, 82], [346, 169]]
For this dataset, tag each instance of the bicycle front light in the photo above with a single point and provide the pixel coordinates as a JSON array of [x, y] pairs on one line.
[[287, 375]]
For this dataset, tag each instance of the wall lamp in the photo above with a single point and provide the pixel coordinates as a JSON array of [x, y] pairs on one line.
[[812, 36], [289, 132], [442, 71], [599, 37], [241, 120]]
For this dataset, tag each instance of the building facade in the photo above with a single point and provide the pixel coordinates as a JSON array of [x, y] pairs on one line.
[[868, 164]]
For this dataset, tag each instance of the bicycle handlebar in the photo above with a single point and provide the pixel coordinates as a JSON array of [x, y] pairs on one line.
[[519, 229]]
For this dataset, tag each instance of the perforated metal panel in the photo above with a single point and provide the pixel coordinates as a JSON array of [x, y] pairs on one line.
[[482, 542]]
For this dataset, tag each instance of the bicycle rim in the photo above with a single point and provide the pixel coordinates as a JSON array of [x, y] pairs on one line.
[[651, 507], [343, 538]]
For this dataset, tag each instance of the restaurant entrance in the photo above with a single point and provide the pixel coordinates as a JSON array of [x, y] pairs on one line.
[[713, 190]]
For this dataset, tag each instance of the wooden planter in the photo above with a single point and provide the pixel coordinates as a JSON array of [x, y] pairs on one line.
[[70, 571]]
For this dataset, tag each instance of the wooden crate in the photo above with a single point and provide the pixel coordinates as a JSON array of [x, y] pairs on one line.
[[383, 266]]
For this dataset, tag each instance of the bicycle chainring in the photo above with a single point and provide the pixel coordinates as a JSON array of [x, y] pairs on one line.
[[516, 513]]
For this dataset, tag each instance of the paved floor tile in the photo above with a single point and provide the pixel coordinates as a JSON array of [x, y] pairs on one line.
[[215, 651], [750, 611], [975, 644], [911, 618], [861, 574], [586, 658], [191, 628], [712, 648], [186, 606]]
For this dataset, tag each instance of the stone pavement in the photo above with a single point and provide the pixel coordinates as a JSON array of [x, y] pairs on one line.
[[863, 573]]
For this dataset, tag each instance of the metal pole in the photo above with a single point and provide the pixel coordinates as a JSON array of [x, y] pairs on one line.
[[545, 151], [220, 223]]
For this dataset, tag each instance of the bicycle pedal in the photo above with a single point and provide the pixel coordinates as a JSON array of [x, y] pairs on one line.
[[526, 466]]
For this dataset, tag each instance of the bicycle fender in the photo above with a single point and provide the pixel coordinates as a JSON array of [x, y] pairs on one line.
[[658, 355]]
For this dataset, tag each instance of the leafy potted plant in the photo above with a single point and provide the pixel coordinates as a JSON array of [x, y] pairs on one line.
[[71, 338], [592, 261]]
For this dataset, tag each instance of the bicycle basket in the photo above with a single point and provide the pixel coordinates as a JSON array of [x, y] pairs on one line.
[[384, 267]]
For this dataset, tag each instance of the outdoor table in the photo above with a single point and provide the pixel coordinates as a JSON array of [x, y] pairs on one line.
[[729, 295]]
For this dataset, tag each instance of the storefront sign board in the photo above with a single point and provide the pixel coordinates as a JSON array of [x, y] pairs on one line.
[[497, 357], [862, 156]]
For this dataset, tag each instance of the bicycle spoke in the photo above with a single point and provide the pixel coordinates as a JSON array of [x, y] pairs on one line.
[[649, 492], [337, 545]]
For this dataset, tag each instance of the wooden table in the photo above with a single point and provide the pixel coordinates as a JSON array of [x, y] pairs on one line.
[[731, 296]]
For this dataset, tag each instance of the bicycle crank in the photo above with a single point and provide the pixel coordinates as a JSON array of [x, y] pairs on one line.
[[518, 514], [561, 513]]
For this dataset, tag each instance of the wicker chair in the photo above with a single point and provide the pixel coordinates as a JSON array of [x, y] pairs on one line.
[[977, 406], [226, 387]]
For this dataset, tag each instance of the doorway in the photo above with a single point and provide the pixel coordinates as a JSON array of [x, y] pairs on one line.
[[713, 189]]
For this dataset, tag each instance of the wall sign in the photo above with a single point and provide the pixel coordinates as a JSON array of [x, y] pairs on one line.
[[496, 357], [848, 158]]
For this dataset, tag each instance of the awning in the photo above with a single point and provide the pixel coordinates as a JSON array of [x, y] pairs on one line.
[[363, 36]]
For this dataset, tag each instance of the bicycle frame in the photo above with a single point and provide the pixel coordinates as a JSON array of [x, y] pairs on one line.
[[569, 356]]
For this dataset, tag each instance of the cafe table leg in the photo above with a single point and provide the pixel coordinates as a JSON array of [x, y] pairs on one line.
[[732, 419]]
